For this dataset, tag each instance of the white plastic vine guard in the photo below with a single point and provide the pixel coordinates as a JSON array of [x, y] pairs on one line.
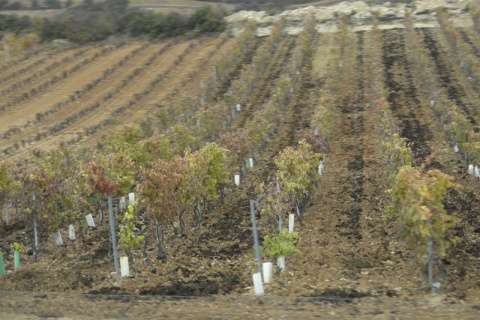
[[267, 272], [124, 267], [251, 162], [257, 284], [58, 238], [281, 263], [477, 172], [320, 168], [470, 169], [90, 221], [455, 148], [123, 205], [131, 198], [291, 222], [237, 179], [71, 232], [239, 107]]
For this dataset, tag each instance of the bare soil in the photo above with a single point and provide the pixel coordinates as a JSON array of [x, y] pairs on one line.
[[351, 265]]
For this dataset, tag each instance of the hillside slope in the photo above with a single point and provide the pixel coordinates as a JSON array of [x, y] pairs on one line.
[[348, 250]]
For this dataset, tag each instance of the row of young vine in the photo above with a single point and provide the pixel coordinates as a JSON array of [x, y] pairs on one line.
[[20, 98], [62, 186], [42, 116], [458, 123], [416, 193], [40, 74]]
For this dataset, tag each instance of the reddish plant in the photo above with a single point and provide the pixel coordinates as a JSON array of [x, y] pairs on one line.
[[98, 181]]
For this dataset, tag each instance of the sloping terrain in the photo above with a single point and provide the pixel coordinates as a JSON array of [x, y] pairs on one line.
[[75, 96]]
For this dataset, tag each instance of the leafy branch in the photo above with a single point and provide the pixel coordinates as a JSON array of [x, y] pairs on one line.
[[418, 204]]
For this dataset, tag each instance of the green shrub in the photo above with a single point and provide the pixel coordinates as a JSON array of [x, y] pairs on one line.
[[280, 244]]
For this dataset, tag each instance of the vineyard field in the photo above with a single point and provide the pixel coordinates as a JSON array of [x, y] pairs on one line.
[[345, 83]]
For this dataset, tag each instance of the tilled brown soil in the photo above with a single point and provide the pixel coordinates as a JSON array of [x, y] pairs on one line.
[[351, 265], [26, 306]]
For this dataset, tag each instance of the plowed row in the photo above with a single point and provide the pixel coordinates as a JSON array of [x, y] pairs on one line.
[[348, 250]]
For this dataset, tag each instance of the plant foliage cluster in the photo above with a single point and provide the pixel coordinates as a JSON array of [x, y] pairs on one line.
[[175, 174], [416, 193], [280, 244], [418, 196], [60, 187]]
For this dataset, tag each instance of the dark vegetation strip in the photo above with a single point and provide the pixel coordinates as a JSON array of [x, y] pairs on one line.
[[262, 90], [32, 93], [237, 202], [352, 108], [59, 106], [27, 66], [41, 74], [76, 117], [159, 79], [467, 39], [444, 74], [95, 21], [402, 94]]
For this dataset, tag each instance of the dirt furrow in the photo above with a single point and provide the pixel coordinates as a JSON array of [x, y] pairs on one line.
[[17, 61], [133, 100], [333, 211], [22, 67], [260, 93], [181, 80], [234, 215], [66, 81], [59, 94], [56, 80], [32, 74], [459, 267], [472, 45], [341, 242], [76, 128], [59, 121], [402, 93], [446, 77], [212, 242]]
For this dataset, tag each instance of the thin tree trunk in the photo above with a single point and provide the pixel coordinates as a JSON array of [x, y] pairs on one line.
[[297, 210], [160, 241], [144, 253], [101, 211], [7, 217], [130, 260], [182, 223], [197, 214]]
